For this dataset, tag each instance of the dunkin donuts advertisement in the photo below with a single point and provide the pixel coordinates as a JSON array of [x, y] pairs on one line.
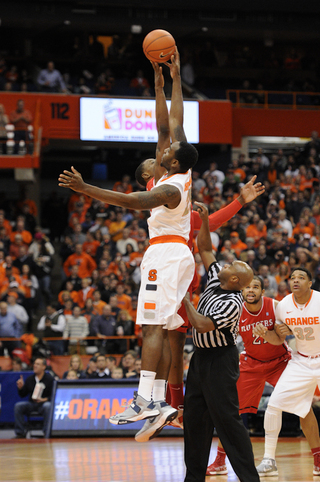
[[129, 120]]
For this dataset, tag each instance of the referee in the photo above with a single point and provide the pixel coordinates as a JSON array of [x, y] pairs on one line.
[[211, 398]]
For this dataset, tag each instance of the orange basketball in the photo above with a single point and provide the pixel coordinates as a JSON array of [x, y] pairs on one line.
[[158, 46]]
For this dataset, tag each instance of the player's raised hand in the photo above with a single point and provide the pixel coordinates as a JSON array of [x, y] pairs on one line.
[[202, 210], [72, 180], [250, 191], [174, 66], [158, 75]]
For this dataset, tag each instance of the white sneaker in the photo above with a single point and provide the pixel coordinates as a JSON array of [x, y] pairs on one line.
[[153, 426], [140, 409], [267, 468]]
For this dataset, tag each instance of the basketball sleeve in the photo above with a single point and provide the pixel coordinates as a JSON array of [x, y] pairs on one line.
[[218, 218]]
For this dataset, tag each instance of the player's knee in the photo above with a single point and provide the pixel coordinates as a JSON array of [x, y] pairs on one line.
[[272, 420]]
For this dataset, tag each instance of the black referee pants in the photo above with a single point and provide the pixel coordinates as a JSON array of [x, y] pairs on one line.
[[211, 400]]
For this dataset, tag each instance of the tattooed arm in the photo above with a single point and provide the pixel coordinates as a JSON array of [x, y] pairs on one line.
[[166, 195]]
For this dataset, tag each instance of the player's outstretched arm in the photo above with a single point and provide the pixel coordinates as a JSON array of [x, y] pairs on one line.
[[248, 193], [176, 109], [162, 120], [163, 195], [204, 240], [201, 323]]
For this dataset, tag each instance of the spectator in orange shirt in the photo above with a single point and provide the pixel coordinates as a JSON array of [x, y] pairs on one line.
[[303, 227], [307, 181], [257, 230], [68, 292], [282, 290], [124, 185], [15, 246], [20, 229], [4, 223], [98, 304], [283, 274], [77, 197], [11, 282], [237, 246], [116, 227], [85, 292], [85, 262], [90, 245], [123, 301], [21, 118]]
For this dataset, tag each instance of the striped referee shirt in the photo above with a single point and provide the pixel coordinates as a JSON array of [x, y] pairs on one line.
[[223, 307]]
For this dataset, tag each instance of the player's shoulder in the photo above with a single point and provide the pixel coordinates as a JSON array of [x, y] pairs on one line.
[[287, 300], [315, 294]]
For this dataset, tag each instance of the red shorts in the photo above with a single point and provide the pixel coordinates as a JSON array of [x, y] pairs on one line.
[[253, 375], [183, 313]]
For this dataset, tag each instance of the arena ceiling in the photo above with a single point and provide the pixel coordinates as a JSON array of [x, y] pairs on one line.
[[286, 20]]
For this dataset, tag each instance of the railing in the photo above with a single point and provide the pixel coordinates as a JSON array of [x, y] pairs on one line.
[[129, 338], [80, 342], [274, 99]]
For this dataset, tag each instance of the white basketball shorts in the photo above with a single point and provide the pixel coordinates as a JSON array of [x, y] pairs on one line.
[[166, 272], [296, 386]]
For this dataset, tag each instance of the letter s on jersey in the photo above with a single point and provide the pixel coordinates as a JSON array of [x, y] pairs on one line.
[[152, 275]]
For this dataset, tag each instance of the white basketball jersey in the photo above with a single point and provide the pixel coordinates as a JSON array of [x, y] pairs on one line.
[[304, 322], [164, 221]]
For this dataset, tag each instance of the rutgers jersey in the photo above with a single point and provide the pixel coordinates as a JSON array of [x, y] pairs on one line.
[[167, 222], [303, 321], [255, 346]]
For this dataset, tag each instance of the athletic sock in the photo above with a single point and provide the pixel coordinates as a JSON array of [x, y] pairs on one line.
[[272, 427], [159, 390], [146, 384], [176, 394]]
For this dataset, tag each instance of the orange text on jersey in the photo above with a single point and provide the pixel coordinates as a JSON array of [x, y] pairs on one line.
[[305, 320]]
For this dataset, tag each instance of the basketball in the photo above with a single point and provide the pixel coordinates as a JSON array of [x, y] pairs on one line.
[[158, 46]]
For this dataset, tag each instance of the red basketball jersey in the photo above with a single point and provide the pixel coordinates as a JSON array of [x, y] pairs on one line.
[[255, 346]]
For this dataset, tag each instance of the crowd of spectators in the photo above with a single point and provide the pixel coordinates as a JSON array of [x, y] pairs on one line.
[[115, 65], [100, 251]]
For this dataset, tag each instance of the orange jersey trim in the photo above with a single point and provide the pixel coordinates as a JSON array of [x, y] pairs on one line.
[[295, 304], [168, 239]]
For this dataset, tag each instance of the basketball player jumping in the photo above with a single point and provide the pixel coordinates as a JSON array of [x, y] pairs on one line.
[[167, 268]]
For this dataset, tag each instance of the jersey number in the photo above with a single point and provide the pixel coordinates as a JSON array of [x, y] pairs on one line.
[[257, 340], [152, 275], [304, 334]]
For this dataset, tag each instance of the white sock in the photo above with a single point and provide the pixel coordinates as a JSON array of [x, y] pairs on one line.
[[159, 390], [272, 427], [146, 384]]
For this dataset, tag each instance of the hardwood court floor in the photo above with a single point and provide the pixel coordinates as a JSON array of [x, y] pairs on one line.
[[124, 460]]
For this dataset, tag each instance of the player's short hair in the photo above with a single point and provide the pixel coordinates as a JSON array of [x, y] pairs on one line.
[[260, 279], [187, 155], [138, 174], [304, 270]]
